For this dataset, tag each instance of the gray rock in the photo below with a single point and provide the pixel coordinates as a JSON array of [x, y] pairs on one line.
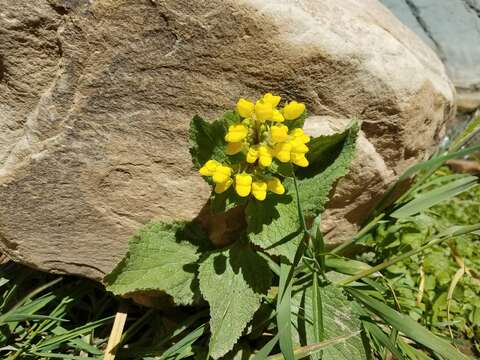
[[96, 98], [452, 29]]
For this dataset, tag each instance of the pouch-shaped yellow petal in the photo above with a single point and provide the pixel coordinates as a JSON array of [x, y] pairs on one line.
[[243, 184], [265, 155], [279, 133], [277, 116], [234, 148], [245, 108], [300, 135], [263, 111], [236, 133], [259, 190], [275, 185], [293, 110], [271, 99], [252, 155], [299, 159], [209, 168], [222, 187], [298, 147], [222, 174], [282, 151]]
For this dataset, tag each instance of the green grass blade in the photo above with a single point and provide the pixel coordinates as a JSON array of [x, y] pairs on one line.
[[263, 353], [18, 317], [317, 314], [50, 355], [376, 332], [184, 342], [69, 335], [471, 130], [284, 324], [409, 327], [36, 292], [345, 265], [430, 165], [82, 345], [433, 197], [451, 232]]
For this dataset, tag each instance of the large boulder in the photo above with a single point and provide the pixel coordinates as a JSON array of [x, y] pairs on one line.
[[96, 97]]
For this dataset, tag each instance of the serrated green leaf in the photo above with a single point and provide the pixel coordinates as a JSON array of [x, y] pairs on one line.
[[339, 319], [273, 224], [233, 282], [316, 186], [157, 261], [207, 141]]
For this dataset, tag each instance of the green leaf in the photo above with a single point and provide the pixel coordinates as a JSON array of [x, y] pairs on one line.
[[274, 225], [157, 261], [284, 323], [472, 128], [339, 319], [409, 327], [233, 281], [207, 141], [376, 332], [319, 178]]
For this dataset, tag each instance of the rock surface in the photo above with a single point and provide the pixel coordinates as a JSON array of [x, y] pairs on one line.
[[96, 97], [452, 29]]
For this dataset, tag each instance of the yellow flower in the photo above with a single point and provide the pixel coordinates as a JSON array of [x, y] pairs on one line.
[[245, 108], [279, 133], [222, 187], [300, 135], [277, 116], [282, 151], [234, 148], [236, 133], [259, 190], [243, 184], [252, 155], [298, 152], [299, 159], [221, 174], [264, 155], [263, 111], [293, 110], [298, 147], [275, 185], [271, 99], [209, 168]]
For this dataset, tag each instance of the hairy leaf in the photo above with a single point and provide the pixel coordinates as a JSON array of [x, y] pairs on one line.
[[233, 282], [315, 187], [157, 261], [273, 224], [206, 141]]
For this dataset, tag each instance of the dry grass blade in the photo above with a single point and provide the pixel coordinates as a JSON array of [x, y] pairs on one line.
[[456, 278], [303, 351], [116, 333]]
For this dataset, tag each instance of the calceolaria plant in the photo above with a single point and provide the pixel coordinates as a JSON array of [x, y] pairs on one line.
[[275, 288]]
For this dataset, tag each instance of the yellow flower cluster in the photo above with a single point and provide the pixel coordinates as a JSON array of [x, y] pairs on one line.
[[261, 135]]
